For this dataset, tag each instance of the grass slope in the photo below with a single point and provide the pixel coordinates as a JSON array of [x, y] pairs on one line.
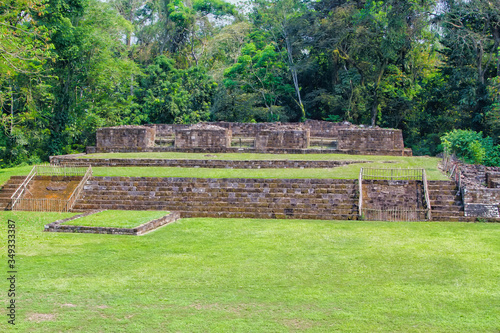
[[118, 218], [219, 275], [344, 172]]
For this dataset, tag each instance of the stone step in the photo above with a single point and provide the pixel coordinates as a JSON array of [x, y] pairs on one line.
[[441, 182], [448, 208], [223, 181], [156, 186], [156, 180], [266, 210], [454, 219], [441, 188], [224, 193], [445, 203], [440, 213], [222, 204], [235, 197]]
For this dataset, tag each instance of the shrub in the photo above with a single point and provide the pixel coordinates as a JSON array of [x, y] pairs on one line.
[[472, 147]]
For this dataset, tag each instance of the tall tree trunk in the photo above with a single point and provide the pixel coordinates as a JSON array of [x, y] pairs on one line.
[[294, 74], [11, 109]]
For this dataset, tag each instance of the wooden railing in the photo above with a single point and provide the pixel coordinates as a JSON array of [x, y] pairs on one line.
[[360, 184], [76, 193], [42, 205], [396, 214], [50, 205], [22, 188], [392, 174], [426, 195], [451, 165], [62, 171]]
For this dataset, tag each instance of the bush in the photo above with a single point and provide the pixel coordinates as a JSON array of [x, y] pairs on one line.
[[472, 147]]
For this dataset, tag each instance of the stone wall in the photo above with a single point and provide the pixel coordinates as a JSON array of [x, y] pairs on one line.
[[371, 139], [482, 202], [326, 129], [215, 137], [168, 130], [393, 200], [390, 194], [58, 225], [185, 163], [296, 139], [343, 137], [327, 199], [237, 129], [125, 136]]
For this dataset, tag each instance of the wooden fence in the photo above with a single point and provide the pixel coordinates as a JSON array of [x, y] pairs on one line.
[[396, 214], [62, 171], [19, 193], [76, 193], [50, 205], [41, 205], [451, 165], [392, 174]]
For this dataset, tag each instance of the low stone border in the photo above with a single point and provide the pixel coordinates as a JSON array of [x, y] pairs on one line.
[[387, 152], [58, 225], [228, 164]]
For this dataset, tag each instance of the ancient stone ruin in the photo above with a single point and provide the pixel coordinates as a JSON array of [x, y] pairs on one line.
[[203, 136], [282, 136], [136, 137], [478, 187], [313, 136]]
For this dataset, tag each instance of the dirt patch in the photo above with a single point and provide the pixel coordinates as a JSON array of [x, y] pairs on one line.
[[237, 309], [39, 317], [48, 188], [297, 324], [69, 305]]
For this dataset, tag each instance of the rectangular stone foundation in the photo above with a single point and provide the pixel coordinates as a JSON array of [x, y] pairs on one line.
[[125, 136], [202, 138], [297, 139]]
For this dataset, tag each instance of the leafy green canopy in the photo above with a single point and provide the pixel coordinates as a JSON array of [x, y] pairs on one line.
[[472, 147]]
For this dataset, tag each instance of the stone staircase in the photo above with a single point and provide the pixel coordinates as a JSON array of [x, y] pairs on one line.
[[446, 201], [329, 199], [8, 190]]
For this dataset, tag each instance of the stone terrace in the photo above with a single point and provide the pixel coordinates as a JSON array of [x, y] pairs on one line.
[[326, 199]]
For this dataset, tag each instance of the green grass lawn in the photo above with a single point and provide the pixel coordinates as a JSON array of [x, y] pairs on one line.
[[5, 174], [237, 275], [118, 218], [344, 172]]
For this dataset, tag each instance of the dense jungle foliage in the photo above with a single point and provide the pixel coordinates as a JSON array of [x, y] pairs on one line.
[[68, 67]]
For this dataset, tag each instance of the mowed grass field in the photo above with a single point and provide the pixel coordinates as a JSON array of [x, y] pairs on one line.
[[241, 275], [118, 218], [430, 164]]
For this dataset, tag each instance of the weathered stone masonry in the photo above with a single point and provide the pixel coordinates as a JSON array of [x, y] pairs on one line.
[[70, 160], [125, 136], [483, 202], [327, 199], [212, 137], [261, 137]]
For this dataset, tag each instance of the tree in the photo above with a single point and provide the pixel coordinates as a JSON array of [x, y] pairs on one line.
[[260, 71], [171, 95], [283, 20], [471, 37]]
